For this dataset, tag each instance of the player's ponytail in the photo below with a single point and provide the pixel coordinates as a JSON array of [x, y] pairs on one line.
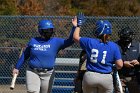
[[104, 38]]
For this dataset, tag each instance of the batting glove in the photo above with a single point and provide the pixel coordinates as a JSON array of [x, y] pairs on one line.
[[80, 19]]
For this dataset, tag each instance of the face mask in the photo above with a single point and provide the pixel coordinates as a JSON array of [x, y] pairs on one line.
[[126, 38]]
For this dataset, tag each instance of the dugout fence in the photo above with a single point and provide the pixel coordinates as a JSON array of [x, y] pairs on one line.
[[15, 31]]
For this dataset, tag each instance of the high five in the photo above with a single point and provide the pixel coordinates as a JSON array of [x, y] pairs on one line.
[[101, 55]]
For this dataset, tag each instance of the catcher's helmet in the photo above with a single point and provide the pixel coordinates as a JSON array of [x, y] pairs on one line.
[[103, 27], [126, 34], [45, 24]]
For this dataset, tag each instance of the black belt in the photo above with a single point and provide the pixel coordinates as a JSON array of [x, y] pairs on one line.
[[41, 69], [99, 72]]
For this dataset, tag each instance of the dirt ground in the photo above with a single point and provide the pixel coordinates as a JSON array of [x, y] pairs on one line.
[[18, 89]]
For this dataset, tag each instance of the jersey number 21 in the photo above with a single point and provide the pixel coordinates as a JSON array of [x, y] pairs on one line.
[[94, 56]]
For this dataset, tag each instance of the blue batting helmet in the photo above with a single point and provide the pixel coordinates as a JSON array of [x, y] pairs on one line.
[[103, 27], [45, 24]]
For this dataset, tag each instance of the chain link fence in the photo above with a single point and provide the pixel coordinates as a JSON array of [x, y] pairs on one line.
[[15, 31]]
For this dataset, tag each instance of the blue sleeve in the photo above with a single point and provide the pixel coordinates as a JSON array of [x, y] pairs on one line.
[[25, 55], [117, 53], [70, 40]]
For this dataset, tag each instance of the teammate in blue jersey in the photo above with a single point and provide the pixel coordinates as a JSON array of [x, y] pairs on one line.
[[101, 55], [42, 52]]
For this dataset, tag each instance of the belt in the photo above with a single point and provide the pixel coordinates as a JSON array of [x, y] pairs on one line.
[[41, 69], [99, 72]]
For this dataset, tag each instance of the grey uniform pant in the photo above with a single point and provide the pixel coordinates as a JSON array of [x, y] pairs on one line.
[[97, 83], [38, 82]]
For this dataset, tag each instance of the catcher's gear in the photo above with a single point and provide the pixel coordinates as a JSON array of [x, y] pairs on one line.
[[103, 27], [80, 19], [116, 81], [126, 34]]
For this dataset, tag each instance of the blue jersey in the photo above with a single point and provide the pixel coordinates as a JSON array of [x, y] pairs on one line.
[[42, 53], [100, 56]]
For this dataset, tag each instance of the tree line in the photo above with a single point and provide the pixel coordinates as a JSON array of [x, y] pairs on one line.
[[70, 7]]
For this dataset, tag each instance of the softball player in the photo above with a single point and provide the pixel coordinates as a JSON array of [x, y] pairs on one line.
[[42, 52], [101, 55]]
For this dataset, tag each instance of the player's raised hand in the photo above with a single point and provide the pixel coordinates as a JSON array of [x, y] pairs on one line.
[[80, 19], [74, 21]]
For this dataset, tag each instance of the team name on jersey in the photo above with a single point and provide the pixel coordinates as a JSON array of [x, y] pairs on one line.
[[41, 47]]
